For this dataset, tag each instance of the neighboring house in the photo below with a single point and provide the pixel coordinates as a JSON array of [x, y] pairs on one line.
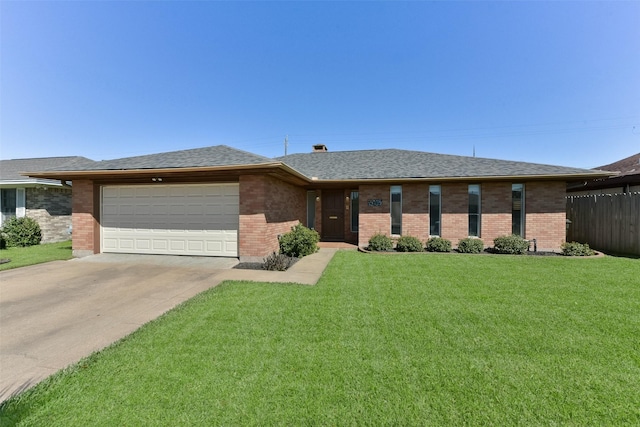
[[605, 212], [627, 179], [219, 201], [48, 201]]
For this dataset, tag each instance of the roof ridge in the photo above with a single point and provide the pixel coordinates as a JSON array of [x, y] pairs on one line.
[[44, 158], [186, 150], [243, 151]]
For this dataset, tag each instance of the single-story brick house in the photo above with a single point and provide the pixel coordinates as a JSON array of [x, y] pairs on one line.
[[48, 201], [219, 201]]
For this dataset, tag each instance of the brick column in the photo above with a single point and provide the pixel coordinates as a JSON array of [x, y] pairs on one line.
[[268, 207], [86, 228]]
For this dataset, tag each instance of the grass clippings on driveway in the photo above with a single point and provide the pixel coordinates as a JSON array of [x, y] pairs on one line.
[[422, 339], [30, 255]]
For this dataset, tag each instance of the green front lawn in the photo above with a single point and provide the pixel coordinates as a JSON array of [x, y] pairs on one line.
[[21, 257], [419, 339]]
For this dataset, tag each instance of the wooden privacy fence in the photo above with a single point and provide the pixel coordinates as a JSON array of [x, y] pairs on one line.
[[607, 222]]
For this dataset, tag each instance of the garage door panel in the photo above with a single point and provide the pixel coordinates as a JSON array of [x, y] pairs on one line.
[[171, 219], [160, 244], [143, 244]]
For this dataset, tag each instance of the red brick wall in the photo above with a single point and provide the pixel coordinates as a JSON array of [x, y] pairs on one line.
[[86, 232], [373, 219], [545, 210], [454, 224], [415, 208], [268, 207], [495, 208]]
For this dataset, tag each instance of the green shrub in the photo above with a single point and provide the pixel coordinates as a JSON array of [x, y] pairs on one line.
[[577, 249], [470, 246], [438, 244], [512, 244], [21, 232], [277, 262], [380, 242], [299, 242], [408, 244]]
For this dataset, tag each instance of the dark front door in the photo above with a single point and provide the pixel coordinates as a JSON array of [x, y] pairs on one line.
[[333, 215]]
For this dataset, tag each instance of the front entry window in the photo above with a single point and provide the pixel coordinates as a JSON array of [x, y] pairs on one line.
[[355, 211], [311, 209]]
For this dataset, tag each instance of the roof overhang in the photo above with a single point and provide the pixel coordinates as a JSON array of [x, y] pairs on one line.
[[287, 173], [26, 183], [273, 168], [552, 177]]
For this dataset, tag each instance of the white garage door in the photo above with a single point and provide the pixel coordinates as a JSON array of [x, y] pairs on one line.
[[193, 219]]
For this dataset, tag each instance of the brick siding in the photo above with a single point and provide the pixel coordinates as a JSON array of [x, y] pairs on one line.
[[51, 209], [373, 219], [454, 223], [544, 210], [268, 207], [495, 208], [85, 223], [415, 208]]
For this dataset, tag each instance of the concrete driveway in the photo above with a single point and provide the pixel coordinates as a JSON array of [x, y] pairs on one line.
[[54, 314]]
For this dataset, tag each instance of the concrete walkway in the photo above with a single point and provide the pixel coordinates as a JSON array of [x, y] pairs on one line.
[[54, 314]]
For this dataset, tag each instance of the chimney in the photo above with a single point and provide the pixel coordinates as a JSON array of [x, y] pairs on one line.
[[319, 148]]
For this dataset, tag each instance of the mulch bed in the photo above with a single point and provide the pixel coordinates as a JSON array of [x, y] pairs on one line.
[[249, 266], [485, 252], [258, 265]]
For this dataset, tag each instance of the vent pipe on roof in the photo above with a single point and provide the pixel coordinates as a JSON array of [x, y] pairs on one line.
[[319, 148]]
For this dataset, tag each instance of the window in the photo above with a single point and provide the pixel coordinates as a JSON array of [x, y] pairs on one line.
[[396, 209], [8, 197], [311, 209], [434, 210], [355, 211], [474, 210], [517, 209]]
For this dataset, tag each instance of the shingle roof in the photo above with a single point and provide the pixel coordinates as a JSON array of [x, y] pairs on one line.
[[627, 166], [11, 170], [219, 155], [628, 174], [332, 165], [394, 163]]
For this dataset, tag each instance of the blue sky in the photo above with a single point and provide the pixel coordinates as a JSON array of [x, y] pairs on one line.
[[546, 82]]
